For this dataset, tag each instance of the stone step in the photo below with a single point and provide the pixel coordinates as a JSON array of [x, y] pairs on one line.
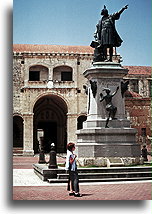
[[17, 151], [45, 173], [99, 169], [111, 169], [115, 169], [108, 175], [16, 148], [100, 180]]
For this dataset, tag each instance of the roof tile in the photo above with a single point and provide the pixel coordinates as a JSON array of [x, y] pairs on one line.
[[140, 70], [143, 70], [52, 48]]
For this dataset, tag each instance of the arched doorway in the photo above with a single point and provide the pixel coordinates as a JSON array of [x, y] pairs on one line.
[[50, 114], [17, 131]]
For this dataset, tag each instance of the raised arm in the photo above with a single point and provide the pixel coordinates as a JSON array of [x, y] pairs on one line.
[[115, 91], [124, 8]]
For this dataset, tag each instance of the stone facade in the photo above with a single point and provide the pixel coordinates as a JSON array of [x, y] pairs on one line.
[[138, 102], [48, 102], [48, 94]]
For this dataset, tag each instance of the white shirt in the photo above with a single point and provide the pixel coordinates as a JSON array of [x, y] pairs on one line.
[[73, 165]]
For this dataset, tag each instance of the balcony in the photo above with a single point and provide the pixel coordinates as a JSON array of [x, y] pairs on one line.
[[49, 84]]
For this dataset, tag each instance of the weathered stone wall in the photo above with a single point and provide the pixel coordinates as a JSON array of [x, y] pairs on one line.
[[17, 85], [27, 93], [140, 114]]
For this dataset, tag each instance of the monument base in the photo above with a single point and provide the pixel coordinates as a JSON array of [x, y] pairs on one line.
[[107, 142], [110, 162], [95, 143], [119, 123]]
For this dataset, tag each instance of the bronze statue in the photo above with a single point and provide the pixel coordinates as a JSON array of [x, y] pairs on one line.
[[93, 87], [109, 106], [106, 35]]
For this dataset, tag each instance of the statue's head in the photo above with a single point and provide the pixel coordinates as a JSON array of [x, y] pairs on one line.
[[107, 90], [104, 11]]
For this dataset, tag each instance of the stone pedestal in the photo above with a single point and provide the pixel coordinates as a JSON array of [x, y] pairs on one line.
[[95, 141]]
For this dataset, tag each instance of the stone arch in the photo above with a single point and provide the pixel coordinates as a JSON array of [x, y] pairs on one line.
[[17, 131], [80, 121], [17, 114], [38, 64], [48, 94], [63, 73], [50, 114]]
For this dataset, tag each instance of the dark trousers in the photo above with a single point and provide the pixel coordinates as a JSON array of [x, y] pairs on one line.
[[73, 177]]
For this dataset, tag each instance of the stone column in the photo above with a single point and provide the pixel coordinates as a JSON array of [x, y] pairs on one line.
[[50, 79], [71, 127], [28, 135], [26, 76], [50, 76]]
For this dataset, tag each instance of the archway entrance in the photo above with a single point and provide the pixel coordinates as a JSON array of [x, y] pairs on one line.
[[50, 114], [50, 133], [17, 131]]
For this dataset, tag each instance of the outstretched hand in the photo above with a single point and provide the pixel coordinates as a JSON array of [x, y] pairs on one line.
[[126, 7]]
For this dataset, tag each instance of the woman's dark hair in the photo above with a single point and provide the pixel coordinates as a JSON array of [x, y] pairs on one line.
[[70, 146]]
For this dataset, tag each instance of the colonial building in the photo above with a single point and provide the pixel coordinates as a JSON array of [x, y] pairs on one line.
[[138, 102], [48, 94]]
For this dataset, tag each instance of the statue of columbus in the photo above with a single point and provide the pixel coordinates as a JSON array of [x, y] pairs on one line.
[[106, 35]]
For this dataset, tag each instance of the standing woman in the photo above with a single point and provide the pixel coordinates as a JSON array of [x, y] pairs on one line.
[[73, 183]]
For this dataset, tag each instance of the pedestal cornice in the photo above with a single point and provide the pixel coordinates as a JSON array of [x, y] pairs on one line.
[[105, 70]]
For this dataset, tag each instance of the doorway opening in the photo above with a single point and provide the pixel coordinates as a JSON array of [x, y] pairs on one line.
[[17, 131], [50, 134], [50, 115]]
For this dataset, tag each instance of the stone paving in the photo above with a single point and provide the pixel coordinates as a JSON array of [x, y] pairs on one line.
[[132, 191], [28, 186]]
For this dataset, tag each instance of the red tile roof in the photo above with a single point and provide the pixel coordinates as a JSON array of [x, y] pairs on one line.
[[52, 48], [143, 70], [140, 70]]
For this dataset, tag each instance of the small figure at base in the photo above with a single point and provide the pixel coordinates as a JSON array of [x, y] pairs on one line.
[[109, 105], [144, 153]]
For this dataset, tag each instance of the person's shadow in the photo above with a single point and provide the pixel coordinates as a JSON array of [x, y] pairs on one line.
[[86, 194]]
